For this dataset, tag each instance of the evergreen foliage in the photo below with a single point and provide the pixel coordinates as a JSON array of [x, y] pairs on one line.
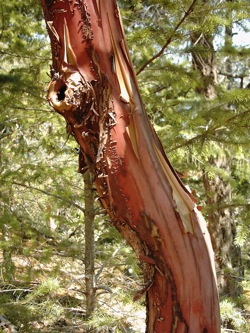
[[41, 205], [193, 128]]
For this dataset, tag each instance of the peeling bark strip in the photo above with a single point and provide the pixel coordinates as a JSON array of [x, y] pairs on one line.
[[94, 88]]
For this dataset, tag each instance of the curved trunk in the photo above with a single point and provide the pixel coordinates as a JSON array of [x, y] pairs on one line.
[[94, 87]]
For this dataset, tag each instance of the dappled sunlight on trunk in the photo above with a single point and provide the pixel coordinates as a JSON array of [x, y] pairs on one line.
[[93, 86]]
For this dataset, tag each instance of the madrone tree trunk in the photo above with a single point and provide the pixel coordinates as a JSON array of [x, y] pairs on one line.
[[93, 86]]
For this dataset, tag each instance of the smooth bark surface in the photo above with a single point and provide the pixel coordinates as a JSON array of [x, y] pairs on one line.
[[95, 89]]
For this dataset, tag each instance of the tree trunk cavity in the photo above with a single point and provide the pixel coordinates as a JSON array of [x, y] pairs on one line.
[[93, 86]]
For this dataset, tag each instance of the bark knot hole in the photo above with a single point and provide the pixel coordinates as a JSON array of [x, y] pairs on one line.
[[61, 92]]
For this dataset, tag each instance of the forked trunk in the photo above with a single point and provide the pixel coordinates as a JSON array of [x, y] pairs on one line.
[[94, 87]]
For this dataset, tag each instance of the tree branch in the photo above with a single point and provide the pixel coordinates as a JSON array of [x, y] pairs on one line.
[[230, 75], [72, 203], [207, 132], [223, 207], [31, 109], [169, 40], [15, 55], [14, 290]]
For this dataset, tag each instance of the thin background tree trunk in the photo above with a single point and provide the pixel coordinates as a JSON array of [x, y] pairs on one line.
[[94, 88], [221, 221], [89, 217]]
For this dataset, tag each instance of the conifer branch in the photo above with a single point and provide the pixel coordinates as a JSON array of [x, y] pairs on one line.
[[32, 109], [232, 76], [210, 131], [228, 206], [169, 40], [15, 55], [15, 290], [70, 202]]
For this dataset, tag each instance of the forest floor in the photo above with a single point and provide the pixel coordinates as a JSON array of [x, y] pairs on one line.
[[50, 298]]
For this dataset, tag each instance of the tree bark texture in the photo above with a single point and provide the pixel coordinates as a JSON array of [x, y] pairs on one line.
[[222, 228], [203, 60], [94, 88], [89, 217]]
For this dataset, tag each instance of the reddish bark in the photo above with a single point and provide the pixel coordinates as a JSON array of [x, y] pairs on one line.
[[95, 89]]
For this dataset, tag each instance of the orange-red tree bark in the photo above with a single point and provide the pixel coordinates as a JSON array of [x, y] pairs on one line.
[[93, 86]]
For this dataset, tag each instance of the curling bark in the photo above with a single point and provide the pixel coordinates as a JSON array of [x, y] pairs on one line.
[[93, 86]]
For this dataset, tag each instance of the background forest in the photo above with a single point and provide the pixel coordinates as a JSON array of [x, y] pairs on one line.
[[63, 267]]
